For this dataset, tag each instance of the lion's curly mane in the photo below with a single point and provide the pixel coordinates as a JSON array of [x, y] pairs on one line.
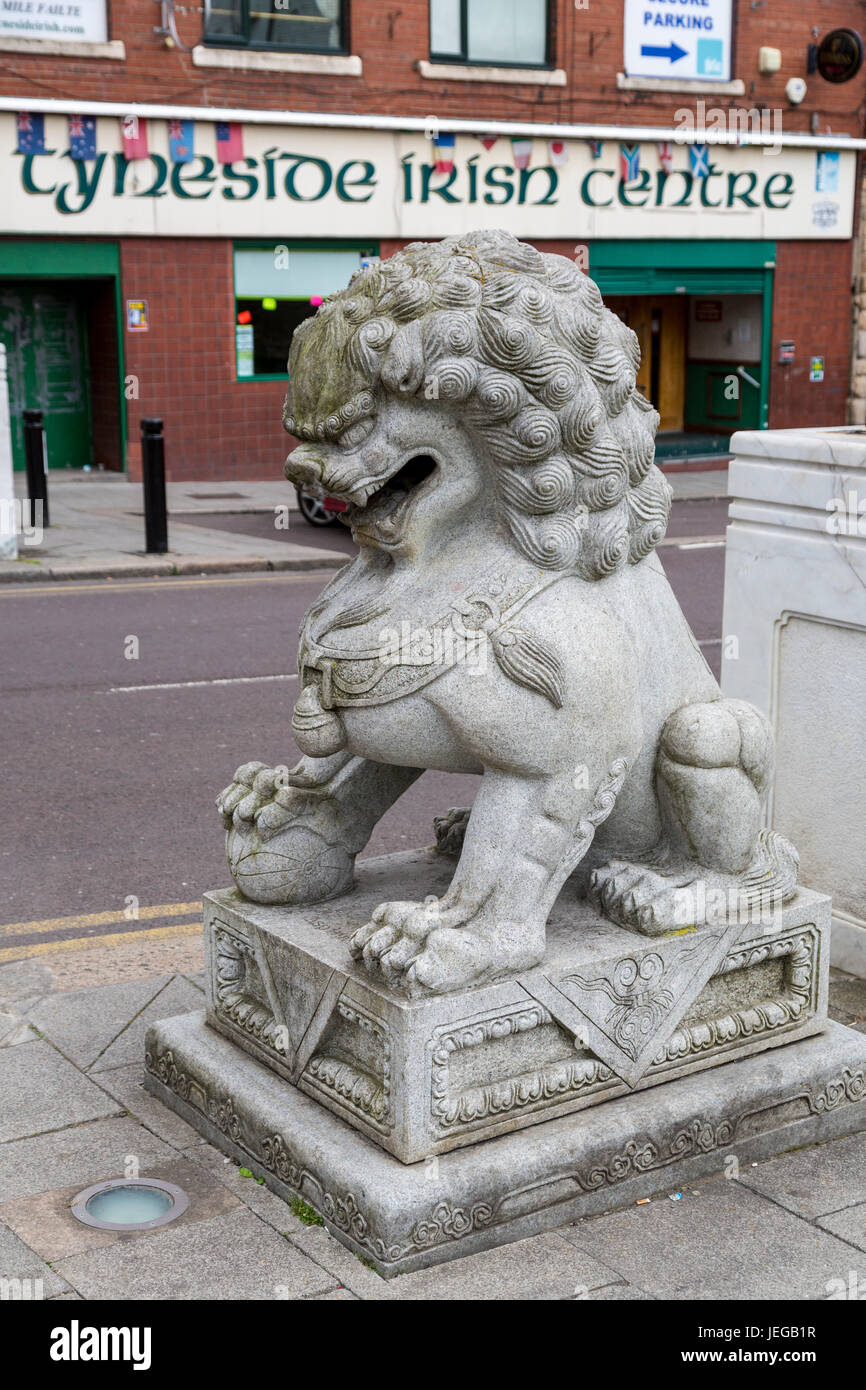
[[520, 343]]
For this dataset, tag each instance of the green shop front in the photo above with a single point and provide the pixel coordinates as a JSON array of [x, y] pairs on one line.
[[703, 313], [160, 288], [60, 321]]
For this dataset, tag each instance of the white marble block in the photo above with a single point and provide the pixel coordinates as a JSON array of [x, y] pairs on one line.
[[795, 645]]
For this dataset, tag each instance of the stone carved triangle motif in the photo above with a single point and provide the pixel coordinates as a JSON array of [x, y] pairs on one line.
[[626, 1012], [304, 999]]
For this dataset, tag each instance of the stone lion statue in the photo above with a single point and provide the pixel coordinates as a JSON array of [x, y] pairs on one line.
[[473, 403]]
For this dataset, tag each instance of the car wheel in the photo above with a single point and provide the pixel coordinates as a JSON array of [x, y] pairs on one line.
[[314, 511]]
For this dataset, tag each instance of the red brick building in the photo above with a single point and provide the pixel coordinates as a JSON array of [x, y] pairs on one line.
[[684, 150]]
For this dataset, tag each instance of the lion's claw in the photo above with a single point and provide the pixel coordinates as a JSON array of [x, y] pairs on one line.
[[238, 789]]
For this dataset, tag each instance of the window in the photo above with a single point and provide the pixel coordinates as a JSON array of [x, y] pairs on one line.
[[307, 26], [503, 32], [276, 288]]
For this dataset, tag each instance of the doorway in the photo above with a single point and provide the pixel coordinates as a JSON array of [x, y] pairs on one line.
[[660, 324], [44, 329]]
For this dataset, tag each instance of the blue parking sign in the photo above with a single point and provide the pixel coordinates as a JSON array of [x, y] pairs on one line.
[[691, 42]]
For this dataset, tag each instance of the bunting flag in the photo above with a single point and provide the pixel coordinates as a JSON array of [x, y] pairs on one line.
[[557, 152], [31, 133], [133, 131], [699, 159], [229, 141], [488, 141], [82, 137], [522, 153], [666, 156], [443, 146], [629, 162], [181, 140], [595, 148]]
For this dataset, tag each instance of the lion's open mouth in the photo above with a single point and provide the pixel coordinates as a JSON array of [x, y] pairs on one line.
[[385, 510]]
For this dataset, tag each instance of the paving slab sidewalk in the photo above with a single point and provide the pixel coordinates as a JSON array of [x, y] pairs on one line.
[[75, 1112], [97, 528], [97, 531]]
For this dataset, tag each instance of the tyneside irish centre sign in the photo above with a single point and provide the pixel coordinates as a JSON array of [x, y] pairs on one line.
[[310, 182]]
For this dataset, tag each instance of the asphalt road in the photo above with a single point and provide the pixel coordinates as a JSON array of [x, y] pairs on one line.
[[111, 763]]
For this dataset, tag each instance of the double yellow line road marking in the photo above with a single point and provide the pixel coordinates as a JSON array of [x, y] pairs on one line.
[[16, 938]]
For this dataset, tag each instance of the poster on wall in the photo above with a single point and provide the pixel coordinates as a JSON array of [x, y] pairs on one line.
[[137, 320], [690, 42], [244, 349], [63, 21]]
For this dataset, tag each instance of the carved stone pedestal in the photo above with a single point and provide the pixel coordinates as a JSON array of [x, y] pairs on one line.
[[608, 1010], [334, 1088], [406, 1216]]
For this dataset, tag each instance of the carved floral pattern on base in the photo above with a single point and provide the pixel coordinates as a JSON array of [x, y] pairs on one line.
[[445, 1221], [584, 1073]]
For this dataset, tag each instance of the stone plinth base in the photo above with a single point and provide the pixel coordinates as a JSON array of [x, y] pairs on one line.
[[405, 1217], [607, 1011]]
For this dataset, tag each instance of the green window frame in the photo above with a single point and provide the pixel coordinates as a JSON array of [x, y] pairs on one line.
[[237, 24], [246, 342]]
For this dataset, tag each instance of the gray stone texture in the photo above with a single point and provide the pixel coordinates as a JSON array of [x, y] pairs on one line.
[[850, 1225], [82, 1028], [421, 1076], [728, 1243], [40, 1090], [178, 996], [126, 1085], [407, 1217], [177, 1262], [814, 1182], [18, 1261], [82, 1154]]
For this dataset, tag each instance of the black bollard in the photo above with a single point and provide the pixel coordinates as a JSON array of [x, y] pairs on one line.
[[153, 479], [37, 465]]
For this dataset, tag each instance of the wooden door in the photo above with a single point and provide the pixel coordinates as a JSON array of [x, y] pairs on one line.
[[634, 310], [669, 335]]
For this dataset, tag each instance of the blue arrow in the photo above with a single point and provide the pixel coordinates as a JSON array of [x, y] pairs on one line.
[[673, 52]]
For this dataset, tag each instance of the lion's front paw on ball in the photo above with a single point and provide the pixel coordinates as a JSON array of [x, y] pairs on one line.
[[293, 867]]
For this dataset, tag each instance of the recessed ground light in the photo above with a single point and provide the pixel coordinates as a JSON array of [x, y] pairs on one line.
[[130, 1204]]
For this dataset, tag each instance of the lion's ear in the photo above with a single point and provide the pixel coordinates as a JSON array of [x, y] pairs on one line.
[[403, 367]]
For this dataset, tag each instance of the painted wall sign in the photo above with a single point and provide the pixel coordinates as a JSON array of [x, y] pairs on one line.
[[137, 320], [368, 183], [708, 310], [840, 55], [686, 39], [63, 21]]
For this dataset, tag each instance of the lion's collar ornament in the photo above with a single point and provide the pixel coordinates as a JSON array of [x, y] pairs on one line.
[[474, 404], [406, 659]]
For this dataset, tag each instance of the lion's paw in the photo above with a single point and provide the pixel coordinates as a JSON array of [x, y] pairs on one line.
[[646, 898], [276, 853], [433, 947], [394, 935], [450, 829]]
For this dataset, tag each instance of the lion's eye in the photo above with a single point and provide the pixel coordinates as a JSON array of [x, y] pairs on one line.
[[357, 433]]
